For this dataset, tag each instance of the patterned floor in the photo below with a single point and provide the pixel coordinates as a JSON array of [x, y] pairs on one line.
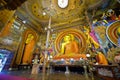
[[56, 75]]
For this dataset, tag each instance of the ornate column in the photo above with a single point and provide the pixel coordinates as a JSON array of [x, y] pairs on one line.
[[46, 47]]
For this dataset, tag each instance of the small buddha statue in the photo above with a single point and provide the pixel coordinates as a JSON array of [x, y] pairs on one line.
[[101, 59]]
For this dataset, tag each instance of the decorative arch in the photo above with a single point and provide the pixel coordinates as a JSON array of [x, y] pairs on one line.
[[79, 35], [111, 32], [30, 39], [25, 50]]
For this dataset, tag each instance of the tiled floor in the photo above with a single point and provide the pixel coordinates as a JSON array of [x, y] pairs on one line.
[[56, 75]]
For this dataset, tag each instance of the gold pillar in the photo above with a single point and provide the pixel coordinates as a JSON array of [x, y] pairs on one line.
[[6, 20]]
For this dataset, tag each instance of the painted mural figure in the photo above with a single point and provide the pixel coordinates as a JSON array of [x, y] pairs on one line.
[[100, 32], [101, 35]]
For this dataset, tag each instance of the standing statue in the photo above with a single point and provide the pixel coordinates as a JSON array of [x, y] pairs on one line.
[[35, 67], [101, 59], [90, 40]]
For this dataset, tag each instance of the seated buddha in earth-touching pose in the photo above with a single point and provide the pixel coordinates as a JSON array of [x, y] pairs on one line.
[[69, 48]]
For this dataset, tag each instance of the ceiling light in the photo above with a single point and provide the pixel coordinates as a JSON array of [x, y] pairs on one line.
[[88, 55], [44, 13], [45, 28], [24, 21]]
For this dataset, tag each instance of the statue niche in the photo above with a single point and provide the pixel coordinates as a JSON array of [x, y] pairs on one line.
[[70, 46], [29, 45]]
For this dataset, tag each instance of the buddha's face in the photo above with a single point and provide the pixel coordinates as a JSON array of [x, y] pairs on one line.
[[29, 38], [67, 38]]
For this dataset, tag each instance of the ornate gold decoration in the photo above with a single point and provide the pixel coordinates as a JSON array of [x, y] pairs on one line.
[[50, 7]]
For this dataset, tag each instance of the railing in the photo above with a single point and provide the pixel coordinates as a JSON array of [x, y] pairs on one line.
[[108, 72]]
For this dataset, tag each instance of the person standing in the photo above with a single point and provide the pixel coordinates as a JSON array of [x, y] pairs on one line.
[[35, 67]]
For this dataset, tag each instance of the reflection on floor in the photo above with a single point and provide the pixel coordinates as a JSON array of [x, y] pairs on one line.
[[56, 75], [11, 77]]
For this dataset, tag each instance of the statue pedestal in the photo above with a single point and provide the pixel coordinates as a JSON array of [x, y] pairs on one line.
[[70, 56]]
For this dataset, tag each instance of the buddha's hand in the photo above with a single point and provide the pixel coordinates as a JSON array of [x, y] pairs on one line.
[[59, 54]]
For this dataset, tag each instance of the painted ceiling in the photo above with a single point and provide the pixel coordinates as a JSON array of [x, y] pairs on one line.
[[73, 13]]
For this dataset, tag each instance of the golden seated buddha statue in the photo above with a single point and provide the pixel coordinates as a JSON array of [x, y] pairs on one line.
[[69, 49]]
